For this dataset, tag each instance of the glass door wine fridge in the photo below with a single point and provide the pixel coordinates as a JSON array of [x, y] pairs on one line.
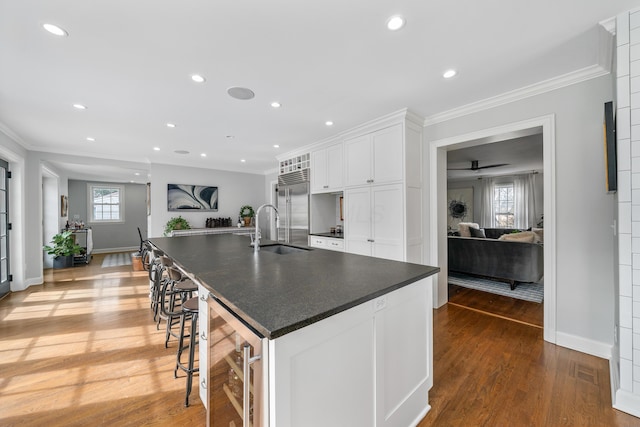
[[235, 371]]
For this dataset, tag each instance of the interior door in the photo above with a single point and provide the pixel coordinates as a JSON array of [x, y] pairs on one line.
[[4, 228]]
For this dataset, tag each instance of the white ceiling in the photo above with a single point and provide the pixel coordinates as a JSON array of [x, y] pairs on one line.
[[130, 63]]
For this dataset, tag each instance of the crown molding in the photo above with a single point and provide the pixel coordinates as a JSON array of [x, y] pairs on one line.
[[14, 136], [539, 88], [609, 25]]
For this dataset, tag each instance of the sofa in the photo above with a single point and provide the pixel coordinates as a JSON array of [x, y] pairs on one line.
[[513, 259]]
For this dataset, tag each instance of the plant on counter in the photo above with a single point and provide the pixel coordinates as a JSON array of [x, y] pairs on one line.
[[176, 223], [246, 212]]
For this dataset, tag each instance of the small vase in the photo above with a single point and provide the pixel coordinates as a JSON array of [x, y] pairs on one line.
[[247, 221]]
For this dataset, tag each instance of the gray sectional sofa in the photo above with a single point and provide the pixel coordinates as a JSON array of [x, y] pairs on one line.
[[510, 261]]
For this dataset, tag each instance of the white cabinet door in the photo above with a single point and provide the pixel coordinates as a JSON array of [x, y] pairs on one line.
[[319, 180], [358, 160], [335, 166], [203, 347], [317, 242], [358, 221], [335, 245], [387, 223], [387, 155]]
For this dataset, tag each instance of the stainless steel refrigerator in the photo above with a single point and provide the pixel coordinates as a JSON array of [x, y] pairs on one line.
[[293, 206]]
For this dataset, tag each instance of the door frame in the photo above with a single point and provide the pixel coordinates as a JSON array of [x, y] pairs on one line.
[[438, 214]]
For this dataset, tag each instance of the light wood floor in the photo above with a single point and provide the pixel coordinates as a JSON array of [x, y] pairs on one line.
[[82, 350]]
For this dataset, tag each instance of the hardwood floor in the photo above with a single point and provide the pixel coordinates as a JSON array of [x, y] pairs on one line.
[[527, 312], [82, 350]]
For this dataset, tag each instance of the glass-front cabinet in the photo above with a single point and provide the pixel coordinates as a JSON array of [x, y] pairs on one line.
[[235, 371]]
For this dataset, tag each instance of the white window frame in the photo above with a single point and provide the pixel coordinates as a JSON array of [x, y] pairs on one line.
[[496, 188], [90, 204]]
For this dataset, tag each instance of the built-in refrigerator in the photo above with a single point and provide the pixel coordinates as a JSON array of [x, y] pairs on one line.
[[293, 207]]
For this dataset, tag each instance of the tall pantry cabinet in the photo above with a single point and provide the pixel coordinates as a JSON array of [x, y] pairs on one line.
[[383, 189]]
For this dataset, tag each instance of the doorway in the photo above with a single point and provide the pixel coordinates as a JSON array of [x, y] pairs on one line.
[[438, 198]]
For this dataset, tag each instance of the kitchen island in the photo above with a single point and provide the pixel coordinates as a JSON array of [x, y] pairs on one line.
[[345, 339]]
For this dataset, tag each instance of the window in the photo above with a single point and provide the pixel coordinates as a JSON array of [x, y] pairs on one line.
[[503, 205], [106, 203]]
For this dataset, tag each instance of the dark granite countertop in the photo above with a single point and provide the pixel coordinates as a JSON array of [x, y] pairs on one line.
[[277, 294], [332, 235]]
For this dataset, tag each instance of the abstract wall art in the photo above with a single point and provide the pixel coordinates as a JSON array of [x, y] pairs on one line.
[[182, 197]]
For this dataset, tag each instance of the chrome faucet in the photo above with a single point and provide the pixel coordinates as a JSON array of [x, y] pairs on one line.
[[256, 241]]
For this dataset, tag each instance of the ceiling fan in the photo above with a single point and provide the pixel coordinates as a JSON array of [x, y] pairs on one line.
[[475, 167]]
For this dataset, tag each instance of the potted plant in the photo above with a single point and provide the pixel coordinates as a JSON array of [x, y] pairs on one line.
[[63, 249], [246, 213], [176, 223]]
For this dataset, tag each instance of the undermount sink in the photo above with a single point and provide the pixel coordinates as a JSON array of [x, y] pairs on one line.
[[282, 249]]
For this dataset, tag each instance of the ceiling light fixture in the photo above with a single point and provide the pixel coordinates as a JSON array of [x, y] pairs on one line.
[[242, 93], [91, 139], [395, 22], [137, 174], [156, 148], [198, 78], [171, 125], [230, 137], [203, 155], [55, 30], [328, 123], [276, 146], [79, 106], [449, 74], [243, 160], [276, 104], [181, 151]]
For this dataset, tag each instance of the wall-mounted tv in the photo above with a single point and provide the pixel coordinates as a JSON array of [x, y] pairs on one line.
[[610, 153], [181, 197]]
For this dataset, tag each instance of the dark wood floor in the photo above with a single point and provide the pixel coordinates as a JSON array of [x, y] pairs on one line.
[[82, 350]]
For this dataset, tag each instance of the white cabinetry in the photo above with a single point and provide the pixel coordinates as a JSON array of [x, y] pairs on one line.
[[203, 329], [369, 365], [374, 221], [330, 243], [326, 169], [375, 158]]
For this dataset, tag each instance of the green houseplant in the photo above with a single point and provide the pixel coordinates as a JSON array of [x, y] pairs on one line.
[[176, 223], [63, 249], [246, 213]]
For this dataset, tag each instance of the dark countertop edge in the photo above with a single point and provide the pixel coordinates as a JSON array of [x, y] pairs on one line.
[[331, 235], [351, 304]]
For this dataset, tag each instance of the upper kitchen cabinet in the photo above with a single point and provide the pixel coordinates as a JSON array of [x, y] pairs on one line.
[[326, 169], [376, 157]]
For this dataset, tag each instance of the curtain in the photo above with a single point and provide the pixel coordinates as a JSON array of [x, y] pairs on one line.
[[487, 217], [524, 201]]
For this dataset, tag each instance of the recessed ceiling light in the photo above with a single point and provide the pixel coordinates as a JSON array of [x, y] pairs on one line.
[[198, 78], [328, 123], [230, 137], [54, 29], [243, 160], [449, 73], [276, 104], [137, 174], [276, 146], [203, 155], [79, 106], [181, 151], [156, 148], [395, 23], [171, 125], [90, 139], [241, 93]]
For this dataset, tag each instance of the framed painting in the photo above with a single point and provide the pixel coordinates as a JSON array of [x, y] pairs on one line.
[[64, 205], [181, 197]]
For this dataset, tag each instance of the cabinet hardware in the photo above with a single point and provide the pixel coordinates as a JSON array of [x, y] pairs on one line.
[[247, 361], [203, 297], [325, 186], [203, 384], [203, 336], [370, 240]]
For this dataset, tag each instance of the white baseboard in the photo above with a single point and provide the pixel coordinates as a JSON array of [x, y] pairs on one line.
[[627, 402], [109, 250], [17, 287], [594, 348]]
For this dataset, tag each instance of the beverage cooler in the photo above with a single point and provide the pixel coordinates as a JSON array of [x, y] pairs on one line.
[[236, 386]]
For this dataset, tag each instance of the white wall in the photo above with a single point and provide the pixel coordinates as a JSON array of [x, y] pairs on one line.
[[234, 190], [584, 295]]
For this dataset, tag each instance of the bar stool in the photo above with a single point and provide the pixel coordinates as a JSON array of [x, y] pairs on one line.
[[177, 284], [155, 275], [162, 279], [189, 311]]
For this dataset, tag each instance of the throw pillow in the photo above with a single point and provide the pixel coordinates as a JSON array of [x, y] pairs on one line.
[[540, 233], [463, 228], [524, 236], [477, 232]]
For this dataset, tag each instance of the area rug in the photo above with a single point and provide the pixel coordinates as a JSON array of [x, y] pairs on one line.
[[117, 259], [526, 291]]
